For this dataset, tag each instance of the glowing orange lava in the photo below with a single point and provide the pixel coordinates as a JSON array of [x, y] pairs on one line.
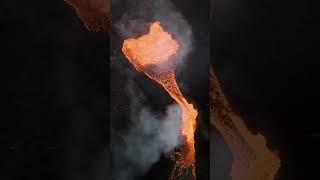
[[155, 55]]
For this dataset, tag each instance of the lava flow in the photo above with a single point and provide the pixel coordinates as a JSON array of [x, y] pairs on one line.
[[155, 54], [252, 159]]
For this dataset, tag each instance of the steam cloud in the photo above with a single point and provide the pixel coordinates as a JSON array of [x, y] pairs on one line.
[[150, 135]]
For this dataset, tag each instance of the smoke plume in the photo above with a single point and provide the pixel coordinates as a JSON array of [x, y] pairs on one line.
[[150, 136]]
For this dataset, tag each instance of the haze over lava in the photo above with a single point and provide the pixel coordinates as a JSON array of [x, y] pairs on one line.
[[155, 55]]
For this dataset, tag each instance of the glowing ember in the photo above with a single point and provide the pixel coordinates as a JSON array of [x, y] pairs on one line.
[[252, 160], [155, 55]]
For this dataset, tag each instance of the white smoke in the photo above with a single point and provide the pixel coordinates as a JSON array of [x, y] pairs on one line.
[[150, 136]]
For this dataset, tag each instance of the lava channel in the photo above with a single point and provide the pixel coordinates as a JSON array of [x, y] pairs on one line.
[[155, 54]]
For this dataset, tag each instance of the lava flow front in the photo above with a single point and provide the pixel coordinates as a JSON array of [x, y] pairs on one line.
[[155, 54]]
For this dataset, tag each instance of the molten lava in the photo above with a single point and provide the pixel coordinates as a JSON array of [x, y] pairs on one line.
[[252, 160], [155, 54]]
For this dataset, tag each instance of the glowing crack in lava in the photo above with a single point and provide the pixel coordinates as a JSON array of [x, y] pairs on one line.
[[252, 160], [155, 54]]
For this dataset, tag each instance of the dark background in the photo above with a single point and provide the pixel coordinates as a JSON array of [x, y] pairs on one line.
[[53, 94], [266, 56], [53, 84]]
